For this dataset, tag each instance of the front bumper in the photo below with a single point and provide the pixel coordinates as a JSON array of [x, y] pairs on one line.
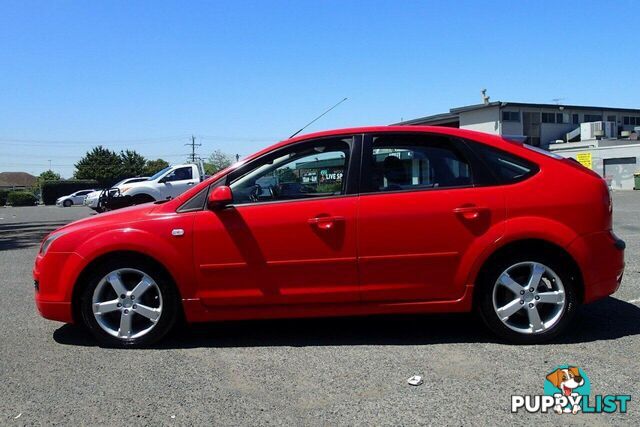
[[54, 276], [600, 257]]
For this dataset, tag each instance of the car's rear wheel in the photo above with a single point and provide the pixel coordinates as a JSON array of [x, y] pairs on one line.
[[128, 304], [67, 203], [527, 299]]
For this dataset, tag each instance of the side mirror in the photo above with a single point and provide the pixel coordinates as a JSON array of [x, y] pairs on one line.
[[219, 197]]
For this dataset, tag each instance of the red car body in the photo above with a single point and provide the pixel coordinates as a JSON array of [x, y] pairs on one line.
[[352, 254]]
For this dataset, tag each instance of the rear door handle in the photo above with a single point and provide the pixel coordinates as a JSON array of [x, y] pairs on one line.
[[470, 212], [325, 222]]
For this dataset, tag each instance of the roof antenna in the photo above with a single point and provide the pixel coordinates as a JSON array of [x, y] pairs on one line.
[[485, 97], [312, 121]]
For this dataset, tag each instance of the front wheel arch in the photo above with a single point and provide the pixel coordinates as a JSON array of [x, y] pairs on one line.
[[118, 255], [141, 198]]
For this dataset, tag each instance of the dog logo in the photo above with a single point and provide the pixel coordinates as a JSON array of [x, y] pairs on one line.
[[567, 381]]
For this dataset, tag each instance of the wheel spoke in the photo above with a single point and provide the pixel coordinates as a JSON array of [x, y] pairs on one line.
[[106, 307], [555, 297], [506, 281], [125, 325], [116, 283], [537, 270], [150, 313], [534, 319], [509, 309], [142, 287]]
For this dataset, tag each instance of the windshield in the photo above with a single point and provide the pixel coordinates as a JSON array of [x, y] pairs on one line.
[[159, 174]]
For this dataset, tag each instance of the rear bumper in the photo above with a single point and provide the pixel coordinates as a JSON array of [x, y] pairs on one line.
[[600, 257]]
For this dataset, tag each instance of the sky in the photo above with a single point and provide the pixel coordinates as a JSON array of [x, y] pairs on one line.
[[240, 75]]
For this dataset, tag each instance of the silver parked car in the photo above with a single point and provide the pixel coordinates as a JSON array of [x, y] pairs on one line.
[[76, 198]]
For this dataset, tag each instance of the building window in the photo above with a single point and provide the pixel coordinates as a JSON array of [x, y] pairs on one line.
[[562, 118], [548, 118], [631, 121], [510, 116], [593, 117], [612, 119]]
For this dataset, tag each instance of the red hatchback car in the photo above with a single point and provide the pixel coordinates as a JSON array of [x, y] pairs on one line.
[[348, 222]]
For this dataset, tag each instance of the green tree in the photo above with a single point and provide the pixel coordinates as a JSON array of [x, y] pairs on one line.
[[133, 164], [48, 175], [217, 161], [101, 164], [154, 166]]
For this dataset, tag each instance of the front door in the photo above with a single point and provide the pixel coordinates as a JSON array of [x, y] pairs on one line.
[[290, 235], [419, 213], [178, 181]]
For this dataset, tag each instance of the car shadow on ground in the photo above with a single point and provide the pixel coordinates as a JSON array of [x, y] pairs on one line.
[[24, 235], [608, 319]]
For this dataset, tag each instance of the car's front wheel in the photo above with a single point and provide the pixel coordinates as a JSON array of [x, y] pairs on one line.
[[128, 304], [67, 203], [527, 299]]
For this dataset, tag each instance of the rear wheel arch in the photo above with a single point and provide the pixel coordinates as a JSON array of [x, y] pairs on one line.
[[135, 257], [534, 247]]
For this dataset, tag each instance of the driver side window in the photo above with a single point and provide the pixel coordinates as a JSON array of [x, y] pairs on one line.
[[179, 174], [304, 171]]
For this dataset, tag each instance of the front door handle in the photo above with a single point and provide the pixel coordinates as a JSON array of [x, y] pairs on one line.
[[325, 222], [470, 212]]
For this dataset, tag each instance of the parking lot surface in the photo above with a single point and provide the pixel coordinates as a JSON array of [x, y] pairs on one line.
[[318, 371]]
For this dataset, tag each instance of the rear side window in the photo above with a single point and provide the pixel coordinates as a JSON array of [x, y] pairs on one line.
[[413, 162], [506, 167]]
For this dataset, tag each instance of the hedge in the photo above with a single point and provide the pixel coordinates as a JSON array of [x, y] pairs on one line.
[[51, 190], [21, 198], [3, 197]]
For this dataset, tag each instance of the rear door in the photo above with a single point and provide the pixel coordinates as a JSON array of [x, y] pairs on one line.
[[420, 210]]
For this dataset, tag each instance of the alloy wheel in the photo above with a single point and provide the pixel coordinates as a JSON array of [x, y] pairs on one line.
[[127, 303], [529, 297]]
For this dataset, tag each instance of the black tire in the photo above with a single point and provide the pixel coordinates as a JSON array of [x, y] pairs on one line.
[[139, 199], [169, 298], [67, 203], [484, 298]]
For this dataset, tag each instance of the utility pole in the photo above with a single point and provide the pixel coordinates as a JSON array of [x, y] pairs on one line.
[[192, 156]]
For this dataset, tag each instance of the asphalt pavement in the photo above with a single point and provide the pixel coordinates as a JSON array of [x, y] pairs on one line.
[[317, 371]]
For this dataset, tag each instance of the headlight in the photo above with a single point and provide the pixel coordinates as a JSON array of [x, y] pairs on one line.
[[48, 241]]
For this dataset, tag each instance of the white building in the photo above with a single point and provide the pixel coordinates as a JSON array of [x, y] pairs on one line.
[[602, 138]]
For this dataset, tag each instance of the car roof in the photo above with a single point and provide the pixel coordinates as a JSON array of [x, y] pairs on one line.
[[448, 131]]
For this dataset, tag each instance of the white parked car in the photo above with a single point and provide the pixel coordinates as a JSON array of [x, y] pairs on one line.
[[93, 199], [166, 184], [76, 198]]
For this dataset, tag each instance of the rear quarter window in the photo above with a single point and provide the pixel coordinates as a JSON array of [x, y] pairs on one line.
[[506, 167]]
